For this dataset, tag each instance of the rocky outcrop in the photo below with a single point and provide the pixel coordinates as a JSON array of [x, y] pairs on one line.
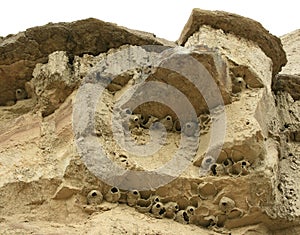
[[289, 78], [241, 27], [287, 83], [21, 52], [286, 86], [60, 82], [198, 139], [291, 46]]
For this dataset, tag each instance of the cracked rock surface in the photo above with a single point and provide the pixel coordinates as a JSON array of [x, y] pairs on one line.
[[243, 182], [21, 52]]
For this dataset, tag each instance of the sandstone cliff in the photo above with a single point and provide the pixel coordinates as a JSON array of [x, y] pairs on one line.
[[200, 136]]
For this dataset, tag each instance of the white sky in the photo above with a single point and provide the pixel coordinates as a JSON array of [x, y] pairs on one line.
[[165, 18]]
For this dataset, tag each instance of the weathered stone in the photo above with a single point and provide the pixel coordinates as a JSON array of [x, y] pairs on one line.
[[245, 59], [53, 82], [287, 193], [193, 73], [291, 46], [287, 83], [21, 52], [39, 161], [241, 27], [66, 191]]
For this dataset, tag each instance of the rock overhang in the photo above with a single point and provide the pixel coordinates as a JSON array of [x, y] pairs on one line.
[[21, 52], [239, 26]]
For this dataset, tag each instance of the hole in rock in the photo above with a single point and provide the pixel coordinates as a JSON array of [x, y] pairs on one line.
[[185, 216], [114, 190], [162, 211]]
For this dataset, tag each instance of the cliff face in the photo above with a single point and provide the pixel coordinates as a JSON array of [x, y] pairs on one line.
[[21, 52], [106, 130]]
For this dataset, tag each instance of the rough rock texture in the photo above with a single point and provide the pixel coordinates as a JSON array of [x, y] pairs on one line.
[[286, 86], [289, 78], [245, 58], [289, 83], [291, 46], [21, 52], [239, 26], [242, 181], [61, 82]]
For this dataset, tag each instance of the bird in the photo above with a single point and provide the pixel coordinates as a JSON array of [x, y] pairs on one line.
[[217, 169], [143, 205], [154, 199], [240, 168], [190, 210], [227, 164], [177, 126]]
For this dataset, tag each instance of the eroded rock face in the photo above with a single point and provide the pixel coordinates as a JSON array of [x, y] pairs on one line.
[[248, 64], [192, 72], [53, 83], [287, 83], [289, 164], [21, 52], [239, 26], [289, 78], [291, 46], [286, 87], [249, 187]]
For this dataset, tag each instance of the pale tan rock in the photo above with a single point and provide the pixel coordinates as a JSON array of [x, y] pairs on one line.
[[39, 161], [20, 53], [177, 68], [245, 58], [65, 191], [240, 26], [291, 46], [53, 91], [287, 83]]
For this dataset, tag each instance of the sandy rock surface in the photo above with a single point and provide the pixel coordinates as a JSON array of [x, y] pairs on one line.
[[241, 27], [291, 46], [213, 149], [21, 52]]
